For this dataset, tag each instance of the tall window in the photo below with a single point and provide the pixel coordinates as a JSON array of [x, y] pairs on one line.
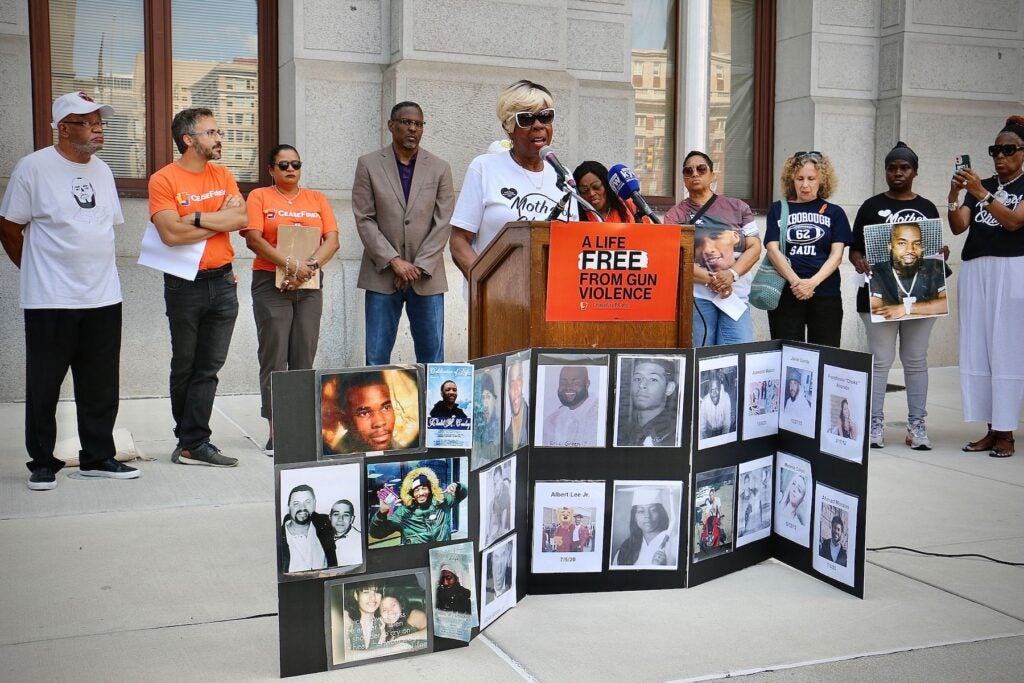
[[149, 59], [731, 100], [654, 55]]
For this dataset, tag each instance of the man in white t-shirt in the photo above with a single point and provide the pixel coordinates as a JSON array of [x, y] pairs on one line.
[[57, 225]]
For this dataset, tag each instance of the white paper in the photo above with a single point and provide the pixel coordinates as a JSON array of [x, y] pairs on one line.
[[497, 488], [843, 412], [498, 568], [830, 503], [645, 525], [754, 506], [181, 261], [793, 486], [710, 430], [568, 526], [732, 306], [762, 394], [799, 390]]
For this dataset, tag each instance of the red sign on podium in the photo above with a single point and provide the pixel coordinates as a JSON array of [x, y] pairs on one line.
[[613, 271]]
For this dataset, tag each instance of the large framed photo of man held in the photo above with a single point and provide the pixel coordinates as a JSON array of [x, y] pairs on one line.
[[908, 270], [649, 401], [417, 501], [320, 512], [377, 616], [571, 400], [376, 411]]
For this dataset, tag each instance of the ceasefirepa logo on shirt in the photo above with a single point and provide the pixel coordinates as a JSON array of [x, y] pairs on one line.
[[182, 198], [269, 214]]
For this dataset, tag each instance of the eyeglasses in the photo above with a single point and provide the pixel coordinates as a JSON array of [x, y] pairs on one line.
[[411, 123], [525, 119], [1005, 150], [699, 169], [88, 124], [800, 157], [283, 165], [213, 132]]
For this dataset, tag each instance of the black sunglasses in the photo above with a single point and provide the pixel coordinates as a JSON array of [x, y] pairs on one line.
[[283, 165], [799, 157], [1006, 150], [525, 119]]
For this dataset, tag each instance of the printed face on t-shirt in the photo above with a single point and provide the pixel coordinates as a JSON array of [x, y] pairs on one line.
[[84, 193]]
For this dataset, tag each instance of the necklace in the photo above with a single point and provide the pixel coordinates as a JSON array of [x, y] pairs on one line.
[[290, 200], [1000, 194], [523, 169], [908, 300]]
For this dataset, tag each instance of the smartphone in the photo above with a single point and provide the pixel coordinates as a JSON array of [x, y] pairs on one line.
[[961, 162]]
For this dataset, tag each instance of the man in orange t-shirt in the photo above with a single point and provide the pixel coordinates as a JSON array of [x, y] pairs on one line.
[[190, 201]]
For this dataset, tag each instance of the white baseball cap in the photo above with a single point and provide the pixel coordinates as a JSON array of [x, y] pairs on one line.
[[77, 103]]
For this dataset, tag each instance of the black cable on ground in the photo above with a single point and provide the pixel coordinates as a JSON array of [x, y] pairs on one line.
[[922, 552]]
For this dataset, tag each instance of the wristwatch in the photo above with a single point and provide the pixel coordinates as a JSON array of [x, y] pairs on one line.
[[196, 220]]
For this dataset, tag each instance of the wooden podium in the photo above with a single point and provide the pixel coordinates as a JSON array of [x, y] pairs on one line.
[[508, 296]]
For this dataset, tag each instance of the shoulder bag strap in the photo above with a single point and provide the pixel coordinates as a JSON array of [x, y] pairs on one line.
[[707, 205]]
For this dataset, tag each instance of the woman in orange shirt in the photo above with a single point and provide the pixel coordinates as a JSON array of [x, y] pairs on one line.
[[592, 182], [287, 317]]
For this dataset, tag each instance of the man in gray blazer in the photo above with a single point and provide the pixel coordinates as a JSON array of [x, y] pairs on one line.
[[402, 198]]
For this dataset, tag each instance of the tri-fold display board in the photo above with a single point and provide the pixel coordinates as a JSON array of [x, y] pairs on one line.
[[416, 504]]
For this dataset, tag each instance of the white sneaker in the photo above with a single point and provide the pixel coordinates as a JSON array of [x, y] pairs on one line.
[[917, 436], [877, 431]]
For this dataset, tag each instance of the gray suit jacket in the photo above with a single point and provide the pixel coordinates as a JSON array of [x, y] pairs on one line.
[[416, 231]]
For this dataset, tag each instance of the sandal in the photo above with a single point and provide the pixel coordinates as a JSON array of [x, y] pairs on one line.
[[985, 443], [1003, 447]]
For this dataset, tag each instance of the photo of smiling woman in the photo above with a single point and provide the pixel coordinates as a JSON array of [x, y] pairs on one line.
[[509, 186], [817, 232], [645, 528]]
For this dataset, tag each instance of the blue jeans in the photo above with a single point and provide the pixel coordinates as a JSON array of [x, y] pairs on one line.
[[721, 329], [426, 322], [202, 317]]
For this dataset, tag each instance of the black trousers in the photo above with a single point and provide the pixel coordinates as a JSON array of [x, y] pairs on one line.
[[87, 340], [818, 320]]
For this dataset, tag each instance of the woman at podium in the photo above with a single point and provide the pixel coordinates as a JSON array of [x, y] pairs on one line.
[[513, 185]]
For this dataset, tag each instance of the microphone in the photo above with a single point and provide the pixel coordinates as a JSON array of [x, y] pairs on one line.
[[548, 155], [625, 184]]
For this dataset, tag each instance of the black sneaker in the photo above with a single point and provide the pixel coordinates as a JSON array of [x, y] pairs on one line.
[[269, 448], [42, 480], [206, 454], [109, 469]]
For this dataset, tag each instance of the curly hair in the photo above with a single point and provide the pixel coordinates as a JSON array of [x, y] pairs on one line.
[[405, 493], [827, 180]]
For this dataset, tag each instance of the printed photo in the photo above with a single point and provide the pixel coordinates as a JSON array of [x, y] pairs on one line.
[[718, 400], [497, 500], [486, 416], [450, 418], [844, 412], [418, 501], [453, 577], [645, 525], [648, 405], [371, 411], [762, 394], [517, 409], [793, 498], [714, 499], [498, 577], [836, 522], [320, 509], [908, 271], [568, 527], [572, 400], [754, 507], [800, 393], [377, 616]]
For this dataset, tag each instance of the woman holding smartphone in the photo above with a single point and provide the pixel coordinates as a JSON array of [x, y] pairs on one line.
[[989, 290]]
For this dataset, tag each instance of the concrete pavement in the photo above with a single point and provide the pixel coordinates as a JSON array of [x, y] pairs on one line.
[[172, 577]]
